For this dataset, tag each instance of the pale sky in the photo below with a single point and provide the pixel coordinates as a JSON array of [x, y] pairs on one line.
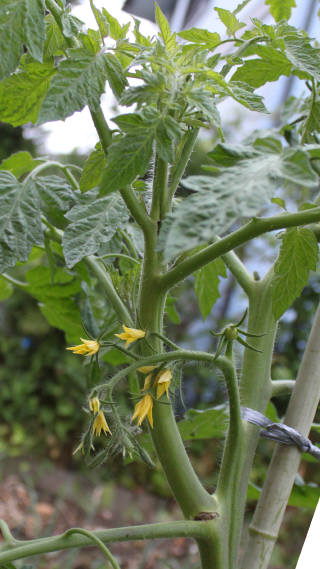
[[77, 132]]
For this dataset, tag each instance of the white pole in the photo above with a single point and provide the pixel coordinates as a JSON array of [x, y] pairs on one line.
[[309, 558]]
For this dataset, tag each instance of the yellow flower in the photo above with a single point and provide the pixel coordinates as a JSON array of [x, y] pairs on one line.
[[87, 348], [147, 369], [100, 423], [94, 404], [163, 381], [143, 409], [130, 335]]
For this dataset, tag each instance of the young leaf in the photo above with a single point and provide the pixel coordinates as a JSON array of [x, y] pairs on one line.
[[79, 81], [101, 20], [128, 157], [55, 42], [19, 163], [92, 224], [116, 31], [257, 72], [206, 285], [165, 32], [21, 23], [229, 20], [297, 257], [92, 172], [281, 10], [20, 222], [204, 38], [21, 94]]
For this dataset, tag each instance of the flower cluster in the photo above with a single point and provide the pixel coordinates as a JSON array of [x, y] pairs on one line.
[[160, 381], [100, 423]]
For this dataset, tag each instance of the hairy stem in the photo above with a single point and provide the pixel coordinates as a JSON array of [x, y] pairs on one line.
[[22, 549], [253, 229]]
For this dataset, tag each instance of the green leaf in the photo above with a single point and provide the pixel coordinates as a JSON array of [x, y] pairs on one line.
[[101, 20], [257, 72], [63, 313], [20, 222], [92, 224], [206, 285], [93, 168], [6, 289], [237, 191], [302, 495], [55, 42], [116, 31], [297, 48], [297, 257], [43, 285], [201, 37], [229, 20], [168, 133], [165, 32], [239, 91], [22, 23], [21, 94], [56, 197], [128, 157], [19, 163], [281, 10], [79, 81], [202, 100], [171, 310], [208, 424]]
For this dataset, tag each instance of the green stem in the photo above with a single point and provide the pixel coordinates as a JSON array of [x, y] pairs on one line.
[[255, 392], [104, 132], [105, 281], [13, 281], [280, 477], [256, 227], [160, 190], [6, 533], [137, 210], [183, 156], [119, 255], [310, 119], [229, 476], [98, 542], [282, 387], [23, 549]]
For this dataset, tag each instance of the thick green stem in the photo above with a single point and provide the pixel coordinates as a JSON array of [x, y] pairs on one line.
[[280, 477], [253, 229], [229, 477], [255, 392], [22, 549]]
